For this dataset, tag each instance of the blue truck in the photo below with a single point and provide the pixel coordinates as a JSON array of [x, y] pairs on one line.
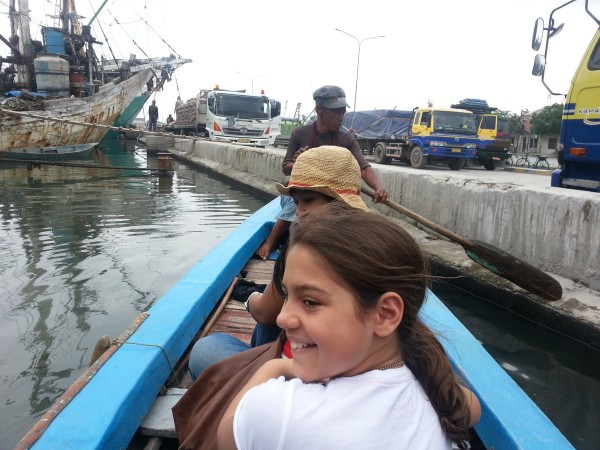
[[419, 137]]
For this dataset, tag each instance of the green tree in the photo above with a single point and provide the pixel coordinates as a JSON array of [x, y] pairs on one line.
[[547, 121], [514, 121]]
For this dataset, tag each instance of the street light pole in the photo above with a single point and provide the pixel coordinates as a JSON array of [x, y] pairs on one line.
[[252, 78], [359, 42]]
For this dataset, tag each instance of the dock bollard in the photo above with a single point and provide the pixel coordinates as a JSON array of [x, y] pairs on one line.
[[165, 164]]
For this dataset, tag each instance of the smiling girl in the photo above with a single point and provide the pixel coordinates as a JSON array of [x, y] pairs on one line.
[[366, 372]]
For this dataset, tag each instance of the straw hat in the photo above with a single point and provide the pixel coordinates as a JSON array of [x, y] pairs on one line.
[[330, 170]]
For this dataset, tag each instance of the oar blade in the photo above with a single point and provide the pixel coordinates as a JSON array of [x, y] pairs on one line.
[[498, 261], [514, 269]]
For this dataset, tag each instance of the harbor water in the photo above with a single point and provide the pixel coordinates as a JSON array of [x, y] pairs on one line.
[[561, 375], [83, 251]]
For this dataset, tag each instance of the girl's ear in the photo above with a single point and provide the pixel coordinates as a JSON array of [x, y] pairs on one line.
[[389, 312]]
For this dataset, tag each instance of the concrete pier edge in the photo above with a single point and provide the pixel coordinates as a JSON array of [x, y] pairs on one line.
[[576, 315]]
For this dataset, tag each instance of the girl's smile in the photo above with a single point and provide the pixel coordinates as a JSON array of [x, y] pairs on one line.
[[328, 335]]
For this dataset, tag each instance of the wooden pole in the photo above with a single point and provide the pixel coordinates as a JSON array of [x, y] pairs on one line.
[[165, 164]]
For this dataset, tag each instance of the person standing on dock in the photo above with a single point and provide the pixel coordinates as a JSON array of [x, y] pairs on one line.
[[153, 116], [178, 104]]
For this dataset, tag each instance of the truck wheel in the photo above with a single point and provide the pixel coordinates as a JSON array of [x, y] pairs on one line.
[[489, 164], [380, 154], [417, 158], [457, 164]]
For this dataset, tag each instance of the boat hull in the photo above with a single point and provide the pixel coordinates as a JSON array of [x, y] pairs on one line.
[[49, 153], [132, 111], [104, 108], [109, 409]]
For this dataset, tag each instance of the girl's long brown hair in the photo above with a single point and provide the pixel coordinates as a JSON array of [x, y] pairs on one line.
[[372, 255]]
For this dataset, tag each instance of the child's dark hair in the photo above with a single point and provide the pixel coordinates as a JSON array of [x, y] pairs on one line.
[[373, 255]]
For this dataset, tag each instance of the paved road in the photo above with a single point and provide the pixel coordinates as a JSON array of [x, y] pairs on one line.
[[517, 175]]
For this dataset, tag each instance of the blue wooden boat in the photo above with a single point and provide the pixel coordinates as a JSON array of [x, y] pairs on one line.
[[115, 395]]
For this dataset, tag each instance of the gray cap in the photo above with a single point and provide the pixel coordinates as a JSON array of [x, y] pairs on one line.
[[331, 97]]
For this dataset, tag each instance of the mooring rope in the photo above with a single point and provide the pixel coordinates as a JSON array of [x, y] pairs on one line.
[[84, 165], [97, 125]]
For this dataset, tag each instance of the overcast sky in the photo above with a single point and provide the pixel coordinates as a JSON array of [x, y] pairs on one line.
[[436, 50]]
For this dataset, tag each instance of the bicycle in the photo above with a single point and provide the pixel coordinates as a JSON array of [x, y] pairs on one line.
[[541, 162], [523, 160]]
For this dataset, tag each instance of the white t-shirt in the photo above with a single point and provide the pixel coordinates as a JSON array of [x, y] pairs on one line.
[[380, 409]]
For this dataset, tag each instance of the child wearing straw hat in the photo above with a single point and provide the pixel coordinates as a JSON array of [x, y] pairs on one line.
[[320, 175], [330, 107], [329, 170]]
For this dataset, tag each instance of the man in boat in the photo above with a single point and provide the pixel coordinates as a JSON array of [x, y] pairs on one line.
[[319, 175], [330, 106], [153, 116], [170, 119]]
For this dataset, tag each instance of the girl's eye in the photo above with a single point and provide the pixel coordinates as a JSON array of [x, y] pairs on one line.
[[310, 303]]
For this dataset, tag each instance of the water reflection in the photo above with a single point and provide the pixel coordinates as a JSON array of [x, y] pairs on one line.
[[82, 252]]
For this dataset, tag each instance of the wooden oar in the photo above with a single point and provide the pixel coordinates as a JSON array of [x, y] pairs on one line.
[[492, 258]]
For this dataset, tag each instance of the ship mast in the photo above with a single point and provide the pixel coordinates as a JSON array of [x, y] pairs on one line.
[[19, 25], [69, 17]]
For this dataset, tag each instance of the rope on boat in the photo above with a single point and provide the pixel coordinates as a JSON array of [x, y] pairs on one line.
[[164, 352], [97, 125], [125, 31], [177, 84], [159, 36]]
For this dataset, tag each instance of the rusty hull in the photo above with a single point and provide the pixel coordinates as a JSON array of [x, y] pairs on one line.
[[102, 108]]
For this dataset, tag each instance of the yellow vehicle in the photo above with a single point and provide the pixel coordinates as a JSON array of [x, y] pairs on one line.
[[492, 132], [579, 144]]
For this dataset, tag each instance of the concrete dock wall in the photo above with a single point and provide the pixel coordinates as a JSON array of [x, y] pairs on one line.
[[555, 230]]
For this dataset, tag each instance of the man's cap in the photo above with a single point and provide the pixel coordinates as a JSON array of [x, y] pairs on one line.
[[330, 97], [330, 170]]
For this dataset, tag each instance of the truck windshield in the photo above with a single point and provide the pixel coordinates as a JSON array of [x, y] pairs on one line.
[[454, 122], [242, 107]]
